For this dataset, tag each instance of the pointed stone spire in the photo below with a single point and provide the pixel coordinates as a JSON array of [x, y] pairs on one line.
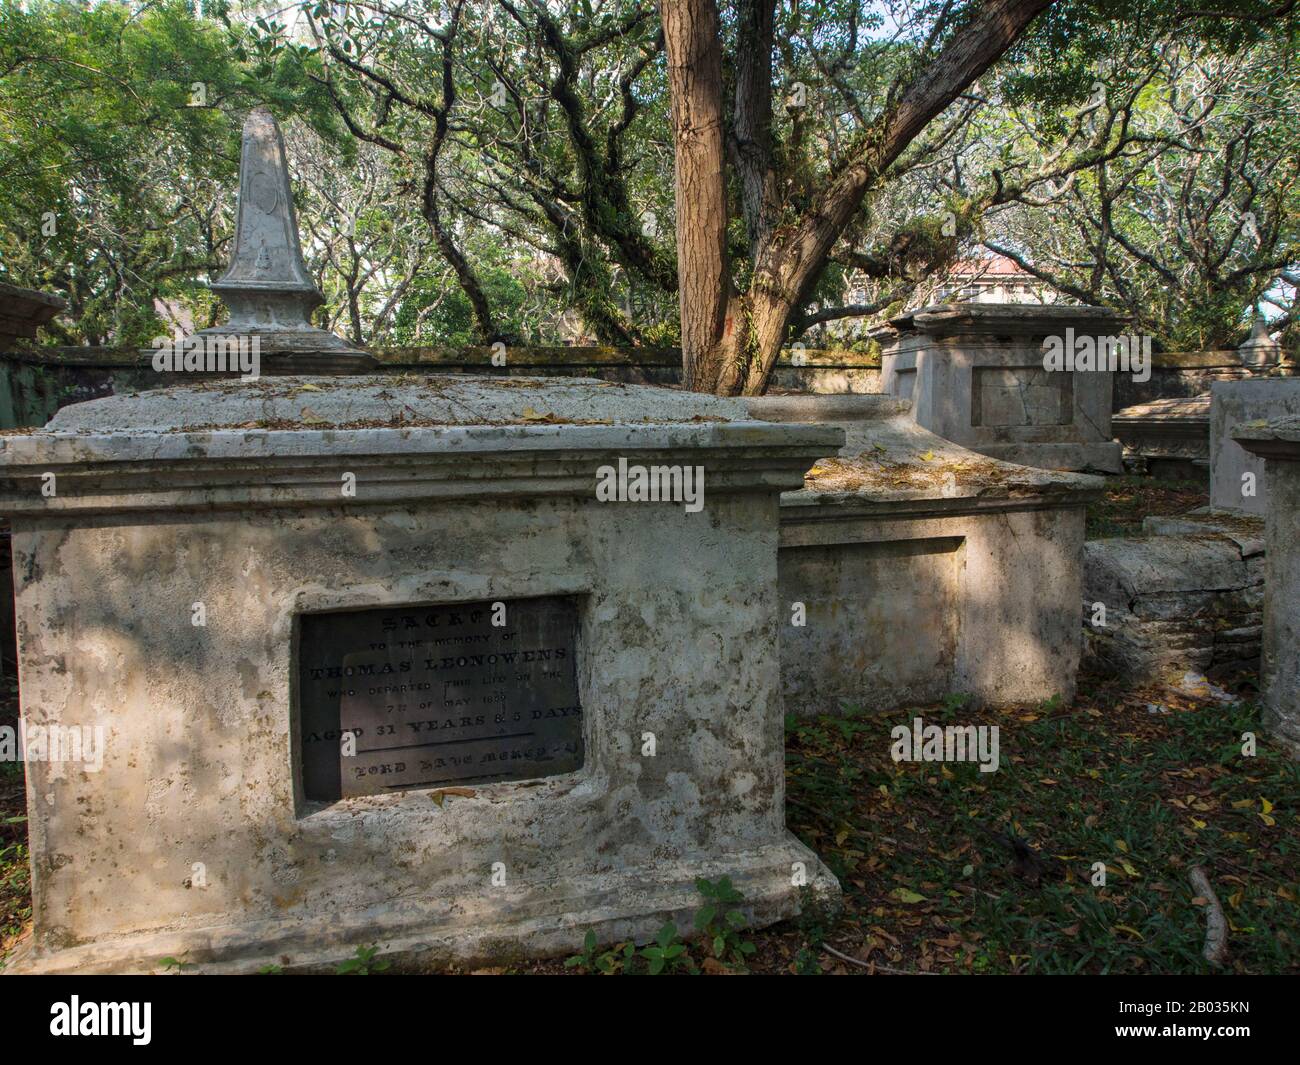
[[267, 287]]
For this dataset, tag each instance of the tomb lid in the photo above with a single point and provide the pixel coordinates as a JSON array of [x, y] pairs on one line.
[[378, 402], [1029, 319], [1180, 409], [24, 310], [1278, 438], [888, 459], [286, 441]]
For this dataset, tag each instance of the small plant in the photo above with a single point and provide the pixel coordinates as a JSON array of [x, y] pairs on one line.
[[667, 952], [170, 964], [610, 962], [586, 958], [720, 923], [362, 963], [953, 703]]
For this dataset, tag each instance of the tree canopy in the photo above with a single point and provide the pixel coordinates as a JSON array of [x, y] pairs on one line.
[[729, 177]]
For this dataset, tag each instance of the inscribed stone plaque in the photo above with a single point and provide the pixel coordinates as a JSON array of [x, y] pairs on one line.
[[1014, 396], [438, 695]]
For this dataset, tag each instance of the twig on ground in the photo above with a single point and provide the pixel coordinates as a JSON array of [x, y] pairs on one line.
[[1216, 926], [872, 964]]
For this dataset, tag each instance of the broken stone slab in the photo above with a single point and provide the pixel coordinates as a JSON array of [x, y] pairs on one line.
[[1245, 531], [1171, 604], [1167, 437], [1278, 443], [976, 375], [923, 569], [344, 504], [267, 289], [1238, 484]]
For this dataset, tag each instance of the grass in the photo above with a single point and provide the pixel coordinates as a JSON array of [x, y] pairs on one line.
[[1130, 499]]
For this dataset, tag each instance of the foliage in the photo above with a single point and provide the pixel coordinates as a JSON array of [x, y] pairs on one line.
[[529, 197], [363, 963], [720, 920]]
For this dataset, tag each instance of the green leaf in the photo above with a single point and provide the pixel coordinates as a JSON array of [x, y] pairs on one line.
[[719, 945], [704, 917], [589, 941]]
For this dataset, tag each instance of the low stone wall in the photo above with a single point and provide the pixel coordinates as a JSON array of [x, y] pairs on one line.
[[1176, 374], [923, 569], [35, 383]]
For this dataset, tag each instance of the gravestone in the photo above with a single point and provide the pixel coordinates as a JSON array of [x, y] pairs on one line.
[[373, 664], [976, 375], [266, 288], [529, 666], [1277, 442]]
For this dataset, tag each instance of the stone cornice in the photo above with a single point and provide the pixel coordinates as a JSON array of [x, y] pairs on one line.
[[241, 469]]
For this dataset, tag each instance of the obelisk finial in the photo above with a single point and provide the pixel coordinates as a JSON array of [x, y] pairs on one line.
[[1259, 351], [267, 287]]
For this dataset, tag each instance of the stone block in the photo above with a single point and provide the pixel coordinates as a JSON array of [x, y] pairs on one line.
[[1278, 444], [1237, 406]]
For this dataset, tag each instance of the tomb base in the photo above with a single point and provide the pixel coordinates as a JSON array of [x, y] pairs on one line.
[[488, 929]]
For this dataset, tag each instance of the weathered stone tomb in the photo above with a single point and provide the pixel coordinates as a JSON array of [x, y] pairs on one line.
[[979, 374], [923, 569], [1277, 442], [298, 609]]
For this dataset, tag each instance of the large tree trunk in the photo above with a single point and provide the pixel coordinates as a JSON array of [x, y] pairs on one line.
[[694, 47], [730, 343]]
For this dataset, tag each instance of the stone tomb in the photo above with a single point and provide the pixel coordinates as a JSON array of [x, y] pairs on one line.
[[1277, 442], [279, 601], [975, 375], [924, 569], [1236, 406]]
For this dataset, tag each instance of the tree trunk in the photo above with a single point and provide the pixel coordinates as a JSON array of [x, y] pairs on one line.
[[731, 342], [694, 47]]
